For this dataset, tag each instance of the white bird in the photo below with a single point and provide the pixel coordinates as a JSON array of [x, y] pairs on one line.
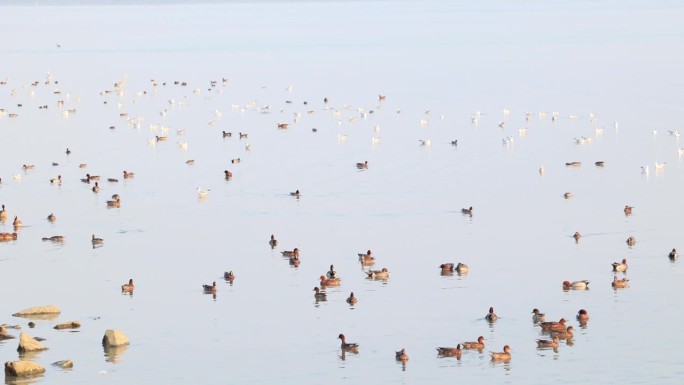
[[680, 151], [644, 170], [426, 142], [541, 170], [507, 141], [183, 145], [674, 132], [202, 192], [659, 166]]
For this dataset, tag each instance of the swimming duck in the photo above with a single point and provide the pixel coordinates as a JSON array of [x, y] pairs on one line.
[[17, 222], [567, 195], [447, 267], [475, 345], [673, 255], [227, 134], [537, 316], [54, 238], [631, 241], [491, 317], [51, 217], [294, 260], [57, 180], [568, 334], [461, 268], [293, 253], [3, 213], [235, 161], [351, 299], [296, 194], [229, 276], [112, 180], [401, 355], [319, 295], [8, 236], [577, 236], [600, 163], [242, 136], [28, 166], [332, 273], [227, 174], [620, 283], [127, 174], [128, 287], [378, 274], [330, 282], [96, 241], [617, 266], [582, 316], [362, 166], [576, 285], [553, 326], [450, 352], [348, 346], [468, 211], [210, 288], [502, 356], [115, 203], [96, 188], [548, 343], [367, 258], [273, 242], [202, 192], [628, 210], [573, 164]]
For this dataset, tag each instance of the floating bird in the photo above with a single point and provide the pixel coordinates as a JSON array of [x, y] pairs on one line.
[[468, 211], [348, 346], [96, 241], [491, 316], [330, 281], [210, 289], [620, 266], [54, 238], [331, 274], [628, 210], [378, 274], [450, 352], [351, 299], [202, 192], [128, 287], [620, 283], [51, 217], [296, 194], [17, 222], [96, 188], [293, 253], [362, 166], [114, 203], [582, 316], [548, 343], [631, 241], [567, 334], [401, 355], [475, 345], [576, 285], [577, 236], [502, 356], [553, 326], [229, 276], [57, 180], [127, 174], [319, 295], [673, 255], [273, 242], [537, 316]]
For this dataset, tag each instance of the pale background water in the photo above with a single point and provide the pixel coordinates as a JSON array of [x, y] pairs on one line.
[[621, 60]]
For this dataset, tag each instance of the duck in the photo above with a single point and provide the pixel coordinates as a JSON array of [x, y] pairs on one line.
[[235, 161], [128, 174], [229, 276], [582, 316], [351, 299], [447, 267], [401, 355], [96, 188], [468, 211], [227, 174], [8, 236], [54, 238], [296, 194], [112, 180], [573, 164], [28, 166], [577, 236], [538, 316], [475, 345], [242, 136], [628, 210], [273, 242], [567, 195], [114, 203], [17, 222], [620, 283], [576, 285], [491, 317], [502, 356], [294, 260], [366, 258], [202, 192], [96, 241], [319, 295], [347, 346], [362, 166], [227, 134], [332, 273], [553, 343], [210, 288], [51, 217], [128, 287], [620, 266], [93, 177], [288, 253], [461, 268], [673, 255], [450, 352], [378, 274], [567, 334], [631, 241], [3, 213], [553, 326], [57, 180], [330, 281]]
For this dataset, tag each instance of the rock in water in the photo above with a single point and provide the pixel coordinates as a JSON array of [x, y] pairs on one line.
[[64, 364], [113, 338], [38, 311], [68, 325], [29, 344], [22, 368]]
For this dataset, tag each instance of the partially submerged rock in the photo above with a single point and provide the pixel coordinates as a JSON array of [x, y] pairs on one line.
[[68, 325], [29, 344], [4, 335], [64, 364], [113, 338], [22, 368], [39, 312]]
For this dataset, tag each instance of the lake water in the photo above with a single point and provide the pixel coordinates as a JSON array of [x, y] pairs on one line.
[[608, 70]]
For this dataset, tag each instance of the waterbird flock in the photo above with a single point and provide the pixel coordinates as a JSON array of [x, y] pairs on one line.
[[557, 330]]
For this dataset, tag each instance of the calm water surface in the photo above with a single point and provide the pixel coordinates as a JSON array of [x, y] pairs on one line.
[[449, 70]]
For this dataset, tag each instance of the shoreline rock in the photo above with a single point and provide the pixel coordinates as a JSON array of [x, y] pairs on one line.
[[22, 368], [114, 338], [39, 312], [29, 344]]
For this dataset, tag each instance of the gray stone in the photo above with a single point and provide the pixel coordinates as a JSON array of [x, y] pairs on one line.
[[29, 344], [113, 338], [22, 368]]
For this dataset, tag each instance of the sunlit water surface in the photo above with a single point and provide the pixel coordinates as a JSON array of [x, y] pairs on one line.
[[449, 70]]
